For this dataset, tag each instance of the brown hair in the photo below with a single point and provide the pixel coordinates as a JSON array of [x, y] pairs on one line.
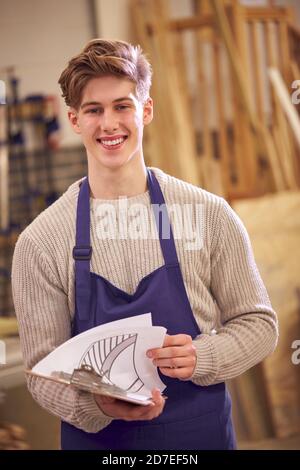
[[100, 58]]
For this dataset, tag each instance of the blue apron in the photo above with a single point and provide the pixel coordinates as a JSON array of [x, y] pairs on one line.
[[194, 417]]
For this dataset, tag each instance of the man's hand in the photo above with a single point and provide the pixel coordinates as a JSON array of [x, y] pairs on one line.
[[177, 358], [120, 409]]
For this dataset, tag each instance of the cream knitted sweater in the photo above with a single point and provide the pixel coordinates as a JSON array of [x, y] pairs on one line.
[[227, 296]]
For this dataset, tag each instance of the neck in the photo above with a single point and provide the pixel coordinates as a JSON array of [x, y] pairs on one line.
[[107, 183]]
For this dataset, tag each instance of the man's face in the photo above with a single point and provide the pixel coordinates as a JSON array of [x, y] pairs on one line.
[[110, 120]]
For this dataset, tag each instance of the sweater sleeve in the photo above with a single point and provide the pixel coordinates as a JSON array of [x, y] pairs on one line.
[[248, 329], [44, 323]]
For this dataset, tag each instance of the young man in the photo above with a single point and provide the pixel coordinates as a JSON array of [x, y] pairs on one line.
[[208, 295]]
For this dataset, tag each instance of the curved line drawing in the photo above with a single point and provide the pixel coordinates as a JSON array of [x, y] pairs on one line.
[[102, 354]]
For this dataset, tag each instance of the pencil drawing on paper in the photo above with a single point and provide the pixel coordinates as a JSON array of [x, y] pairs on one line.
[[114, 359]]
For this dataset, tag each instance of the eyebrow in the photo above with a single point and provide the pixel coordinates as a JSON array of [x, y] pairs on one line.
[[97, 103]]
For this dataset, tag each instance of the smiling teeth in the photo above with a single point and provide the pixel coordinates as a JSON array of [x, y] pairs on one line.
[[113, 142]]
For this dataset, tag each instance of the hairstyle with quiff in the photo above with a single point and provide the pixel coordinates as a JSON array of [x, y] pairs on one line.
[[99, 58]]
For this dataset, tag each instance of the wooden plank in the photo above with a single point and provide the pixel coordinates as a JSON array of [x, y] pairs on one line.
[[295, 70], [192, 23], [178, 46], [284, 51], [203, 97], [266, 13], [210, 167], [258, 67], [204, 91], [272, 51], [273, 159], [278, 123], [292, 116], [293, 28], [285, 101], [289, 163], [282, 150], [245, 155], [222, 121]]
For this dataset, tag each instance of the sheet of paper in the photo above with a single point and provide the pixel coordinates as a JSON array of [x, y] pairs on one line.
[[116, 350]]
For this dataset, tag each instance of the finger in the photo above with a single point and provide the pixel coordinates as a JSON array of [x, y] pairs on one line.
[[158, 405], [177, 340], [173, 351], [182, 373], [174, 362], [157, 396], [171, 340], [157, 400]]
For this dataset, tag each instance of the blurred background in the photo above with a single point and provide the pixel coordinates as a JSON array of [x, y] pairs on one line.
[[226, 87]]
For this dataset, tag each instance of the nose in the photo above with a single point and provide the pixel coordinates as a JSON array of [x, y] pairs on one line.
[[109, 121]]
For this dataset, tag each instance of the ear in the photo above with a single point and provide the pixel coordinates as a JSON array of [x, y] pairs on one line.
[[148, 111], [73, 118]]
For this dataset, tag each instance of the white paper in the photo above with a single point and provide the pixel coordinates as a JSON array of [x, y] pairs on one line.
[[116, 350]]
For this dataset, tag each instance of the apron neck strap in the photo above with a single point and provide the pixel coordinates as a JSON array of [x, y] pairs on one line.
[[82, 252], [162, 220]]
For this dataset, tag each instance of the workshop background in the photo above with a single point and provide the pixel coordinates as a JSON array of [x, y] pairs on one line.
[[228, 105]]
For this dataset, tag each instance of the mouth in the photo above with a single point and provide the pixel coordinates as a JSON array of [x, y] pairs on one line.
[[113, 142]]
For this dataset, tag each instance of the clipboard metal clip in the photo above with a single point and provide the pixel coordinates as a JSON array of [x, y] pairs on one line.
[[86, 376]]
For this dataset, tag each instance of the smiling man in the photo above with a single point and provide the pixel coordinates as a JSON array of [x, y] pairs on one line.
[[70, 274]]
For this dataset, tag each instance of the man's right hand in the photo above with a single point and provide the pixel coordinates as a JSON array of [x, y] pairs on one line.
[[120, 409]]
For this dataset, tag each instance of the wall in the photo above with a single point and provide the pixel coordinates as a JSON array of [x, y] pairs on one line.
[[38, 37], [113, 19]]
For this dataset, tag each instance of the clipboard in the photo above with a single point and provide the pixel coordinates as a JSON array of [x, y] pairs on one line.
[[86, 378]]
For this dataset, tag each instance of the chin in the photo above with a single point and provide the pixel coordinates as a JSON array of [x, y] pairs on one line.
[[113, 163]]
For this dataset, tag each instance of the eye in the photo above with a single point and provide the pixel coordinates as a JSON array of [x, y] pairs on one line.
[[93, 110], [121, 107]]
